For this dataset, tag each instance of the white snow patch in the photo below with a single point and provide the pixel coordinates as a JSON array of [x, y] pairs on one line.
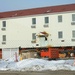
[[34, 64]]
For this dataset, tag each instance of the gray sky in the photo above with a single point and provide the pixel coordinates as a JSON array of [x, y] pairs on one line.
[[10, 5]]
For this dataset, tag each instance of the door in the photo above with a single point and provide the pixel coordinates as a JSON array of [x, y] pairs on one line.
[[9, 52], [5, 53], [14, 51]]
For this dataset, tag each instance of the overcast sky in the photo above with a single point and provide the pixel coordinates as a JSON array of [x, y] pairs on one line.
[[10, 5]]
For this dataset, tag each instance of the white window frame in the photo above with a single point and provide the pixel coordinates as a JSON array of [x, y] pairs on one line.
[[59, 18], [33, 36], [60, 34], [3, 24], [4, 38], [73, 34], [33, 21], [46, 20], [73, 17]]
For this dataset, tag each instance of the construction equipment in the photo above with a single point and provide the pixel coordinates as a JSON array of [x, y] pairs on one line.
[[50, 53]]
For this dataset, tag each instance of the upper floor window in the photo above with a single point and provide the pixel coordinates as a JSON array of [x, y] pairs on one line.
[[60, 34], [73, 33], [33, 20], [4, 24], [46, 19], [60, 18], [73, 17]]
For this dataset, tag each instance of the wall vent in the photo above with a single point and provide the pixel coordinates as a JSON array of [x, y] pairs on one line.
[[72, 39], [46, 25], [33, 26], [3, 42], [3, 29], [72, 23]]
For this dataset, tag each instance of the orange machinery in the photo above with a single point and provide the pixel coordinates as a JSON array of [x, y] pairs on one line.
[[51, 53]]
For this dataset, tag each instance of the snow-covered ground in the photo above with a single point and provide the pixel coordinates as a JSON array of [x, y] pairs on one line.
[[35, 64]]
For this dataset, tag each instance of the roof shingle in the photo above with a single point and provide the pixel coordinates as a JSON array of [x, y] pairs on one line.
[[42, 10]]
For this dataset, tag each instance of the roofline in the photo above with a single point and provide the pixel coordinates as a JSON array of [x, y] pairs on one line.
[[37, 8], [40, 10]]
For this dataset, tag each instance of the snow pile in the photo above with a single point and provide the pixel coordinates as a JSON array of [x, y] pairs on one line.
[[33, 64]]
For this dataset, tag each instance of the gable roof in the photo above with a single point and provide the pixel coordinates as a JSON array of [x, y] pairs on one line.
[[34, 11]]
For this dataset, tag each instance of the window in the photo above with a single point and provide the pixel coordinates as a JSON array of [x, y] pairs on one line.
[[33, 36], [4, 24], [60, 18], [46, 19], [4, 37], [73, 17], [73, 33], [60, 34], [33, 20]]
